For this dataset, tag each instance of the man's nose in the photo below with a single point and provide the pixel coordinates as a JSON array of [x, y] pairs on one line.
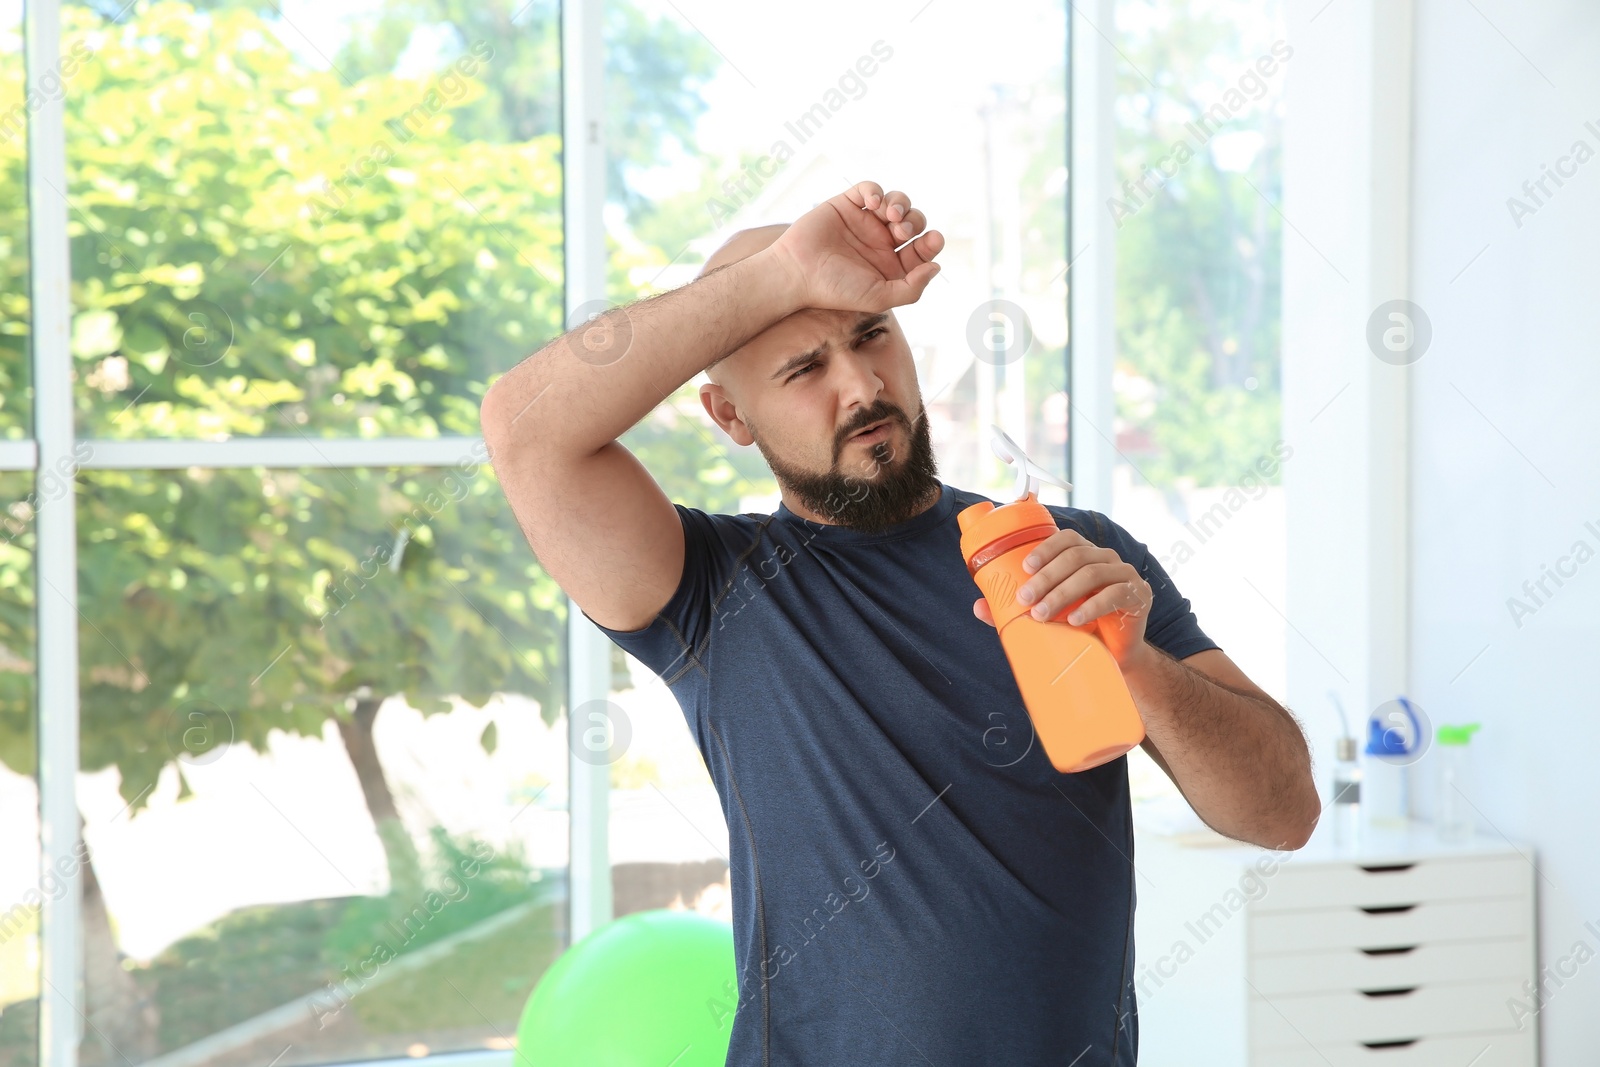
[[858, 381]]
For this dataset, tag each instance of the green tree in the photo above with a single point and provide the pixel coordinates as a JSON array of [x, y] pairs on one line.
[[266, 253], [275, 250], [1198, 275]]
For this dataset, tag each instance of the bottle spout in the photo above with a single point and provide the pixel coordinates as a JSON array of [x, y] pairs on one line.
[[1029, 473]]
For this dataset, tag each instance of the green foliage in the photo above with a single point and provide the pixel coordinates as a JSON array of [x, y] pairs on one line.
[[255, 959], [271, 249], [1198, 264], [265, 254], [250, 961], [267, 598], [467, 883], [15, 396], [18, 742], [654, 70]]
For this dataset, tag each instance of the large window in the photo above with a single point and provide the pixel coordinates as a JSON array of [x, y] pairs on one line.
[[284, 664], [23, 885], [320, 680], [1198, 116]]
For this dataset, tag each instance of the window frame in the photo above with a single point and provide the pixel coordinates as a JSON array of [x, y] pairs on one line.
[[55, 446]]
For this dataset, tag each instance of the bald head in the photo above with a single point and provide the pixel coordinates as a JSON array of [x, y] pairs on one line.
[[743, 244]]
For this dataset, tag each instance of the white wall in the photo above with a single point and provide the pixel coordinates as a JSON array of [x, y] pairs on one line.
[[1502, 418], [1506, 444]]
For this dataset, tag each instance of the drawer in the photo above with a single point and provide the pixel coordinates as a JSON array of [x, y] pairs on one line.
[[1391, 967], [1292, 1021], [1488, 1050], [1326, 885], [1380, 926]]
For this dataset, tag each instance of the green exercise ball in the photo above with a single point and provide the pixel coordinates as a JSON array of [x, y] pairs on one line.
[[648, 989]]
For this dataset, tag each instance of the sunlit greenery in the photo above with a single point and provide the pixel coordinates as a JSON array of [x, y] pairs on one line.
[[1198, 276]]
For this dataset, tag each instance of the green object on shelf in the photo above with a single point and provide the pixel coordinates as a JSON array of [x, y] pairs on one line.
[[649, 989], [1457, 735]]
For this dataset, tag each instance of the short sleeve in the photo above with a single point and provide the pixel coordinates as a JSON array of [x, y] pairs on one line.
[[1172, 626], [675, 639]]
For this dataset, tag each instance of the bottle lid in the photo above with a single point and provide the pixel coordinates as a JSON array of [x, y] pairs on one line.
[[1457, 735], [1344, 749], [1389, 735], [982, 524]]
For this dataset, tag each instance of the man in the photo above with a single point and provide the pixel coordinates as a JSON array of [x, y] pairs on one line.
[[913, 882]]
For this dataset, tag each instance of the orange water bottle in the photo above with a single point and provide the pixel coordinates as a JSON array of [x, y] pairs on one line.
[[1070, 683]]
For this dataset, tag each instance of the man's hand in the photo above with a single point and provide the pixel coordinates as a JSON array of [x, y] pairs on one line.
[[841, 255], [1096, 588], [1238, 757]]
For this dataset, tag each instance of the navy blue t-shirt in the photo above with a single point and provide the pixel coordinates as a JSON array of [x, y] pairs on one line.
[[913, 881]]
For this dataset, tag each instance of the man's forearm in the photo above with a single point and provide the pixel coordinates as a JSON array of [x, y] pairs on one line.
[[1240, 760], [588, 387]]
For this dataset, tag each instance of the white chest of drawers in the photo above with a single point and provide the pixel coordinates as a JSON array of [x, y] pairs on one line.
[[1400, 952]]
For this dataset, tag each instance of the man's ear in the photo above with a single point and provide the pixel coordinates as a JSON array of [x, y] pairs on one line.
[[724, 413]]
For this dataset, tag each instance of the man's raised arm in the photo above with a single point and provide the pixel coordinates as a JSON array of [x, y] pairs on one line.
[[600, 525]]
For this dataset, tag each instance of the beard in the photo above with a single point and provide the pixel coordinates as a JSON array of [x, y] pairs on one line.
[[882, 490]]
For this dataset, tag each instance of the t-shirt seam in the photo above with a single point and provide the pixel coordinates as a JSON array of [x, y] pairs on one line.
[[693, 655], [733, 576], [1127, 943], [691, 660], [761, 915]]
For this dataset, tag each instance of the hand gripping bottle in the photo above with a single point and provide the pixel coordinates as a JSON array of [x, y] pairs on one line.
[[1070, 683]]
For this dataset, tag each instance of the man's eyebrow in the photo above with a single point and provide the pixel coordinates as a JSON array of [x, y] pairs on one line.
[[866, 322]]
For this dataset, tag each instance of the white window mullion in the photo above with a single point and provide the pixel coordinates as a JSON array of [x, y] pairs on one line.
[[55, 559], [282, 452], [583, 162], [18, 455], [1091, 275]]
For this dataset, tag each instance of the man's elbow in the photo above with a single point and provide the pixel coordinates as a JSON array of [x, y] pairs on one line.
[[508, 413], [1296, 819], [494, 416]]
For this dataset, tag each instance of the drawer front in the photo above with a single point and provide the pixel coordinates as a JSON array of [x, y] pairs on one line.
[[1488, 1050], [1290, 1022], [1327, 885], [1353, 928], [1340, 970]]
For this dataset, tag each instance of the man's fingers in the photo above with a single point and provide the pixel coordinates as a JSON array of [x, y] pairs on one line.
[[1082, 582], [1123, 597], [1053, 546], [909, 290], [920, 251], [864, 194], [909, 225], [1067, 563], [980, 608], [891, 207], [904, 223]]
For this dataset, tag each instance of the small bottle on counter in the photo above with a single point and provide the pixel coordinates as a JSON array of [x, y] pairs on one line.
[[1453, 817], [1346, 804]]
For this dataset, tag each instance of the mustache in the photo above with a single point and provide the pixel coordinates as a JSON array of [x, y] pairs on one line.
[[882, 410]]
